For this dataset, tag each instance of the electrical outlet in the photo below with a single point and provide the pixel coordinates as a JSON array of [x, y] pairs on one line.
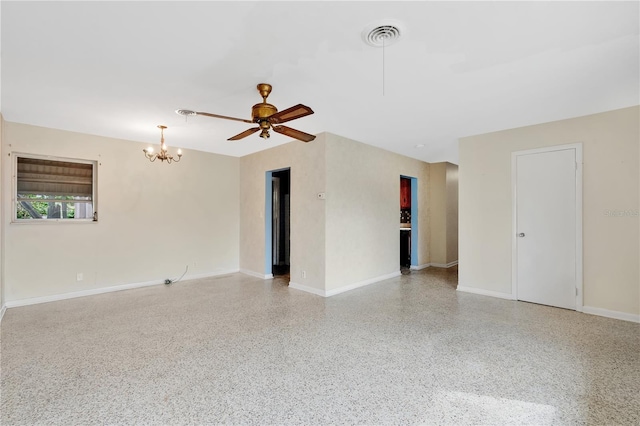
[[79, 276], [304, 274]]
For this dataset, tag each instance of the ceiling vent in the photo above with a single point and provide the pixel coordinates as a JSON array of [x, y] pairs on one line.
[[186, 112], [382, 33]]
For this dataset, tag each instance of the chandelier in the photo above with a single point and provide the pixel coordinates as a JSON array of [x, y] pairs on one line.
[[163, 154]]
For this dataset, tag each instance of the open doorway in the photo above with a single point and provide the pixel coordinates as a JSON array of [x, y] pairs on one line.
[[408, 223], [280, 222], [405, 223]]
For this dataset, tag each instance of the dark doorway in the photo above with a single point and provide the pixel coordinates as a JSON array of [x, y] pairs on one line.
[[281, 222], [405, 223]]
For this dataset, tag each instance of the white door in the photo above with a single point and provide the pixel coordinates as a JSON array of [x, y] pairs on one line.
[[545, 215]]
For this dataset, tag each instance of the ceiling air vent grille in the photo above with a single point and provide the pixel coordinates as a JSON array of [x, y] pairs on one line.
[[186, 112], [382, 34]]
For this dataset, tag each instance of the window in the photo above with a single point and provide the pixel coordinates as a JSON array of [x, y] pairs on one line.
[[54, 189]]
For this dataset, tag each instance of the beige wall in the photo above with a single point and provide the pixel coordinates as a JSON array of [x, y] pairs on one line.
[[452, 212], [307, 239], [610, 182], [350, 237], [154, 218], [2, 245], [363, 211], [444, 213], [207, 212], [438, 212]]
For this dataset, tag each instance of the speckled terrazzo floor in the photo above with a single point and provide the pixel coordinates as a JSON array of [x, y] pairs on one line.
[[240, 350]]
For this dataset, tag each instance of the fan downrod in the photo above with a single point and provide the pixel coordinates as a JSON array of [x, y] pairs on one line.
[[265, 90]]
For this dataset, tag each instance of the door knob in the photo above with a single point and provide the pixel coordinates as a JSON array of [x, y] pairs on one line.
[[521, 234]]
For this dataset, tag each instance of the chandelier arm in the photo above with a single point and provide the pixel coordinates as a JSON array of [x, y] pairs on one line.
[[163, 154]]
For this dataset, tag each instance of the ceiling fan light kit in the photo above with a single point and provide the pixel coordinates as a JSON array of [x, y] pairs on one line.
[[266, 116]]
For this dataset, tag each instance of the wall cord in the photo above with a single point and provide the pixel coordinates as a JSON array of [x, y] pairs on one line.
[[169, 281]]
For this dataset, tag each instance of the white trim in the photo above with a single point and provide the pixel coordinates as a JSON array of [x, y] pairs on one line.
[[2, 311], [443, 265], [514, 225], [624, 316], [514, 229], [329, 293], [95, 291], [484, 292], [255, 274], [579, 218], [308, 289], [361, 283], [209, 274], [14, 183], [433, 265], [419, 267]]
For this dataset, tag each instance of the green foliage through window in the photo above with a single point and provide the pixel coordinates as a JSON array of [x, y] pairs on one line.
[[49, 188], [63, 207]]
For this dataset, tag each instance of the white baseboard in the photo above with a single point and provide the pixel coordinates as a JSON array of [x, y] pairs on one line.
[[484, 292], [256, 274], [308, 289], [361, 283], [102, 290], [444, 265], [433, 265], [624, 316], [419, 267], [210, 274], [329, 293], [2, 311]]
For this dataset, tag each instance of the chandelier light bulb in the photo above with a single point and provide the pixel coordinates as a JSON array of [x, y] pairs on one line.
[[163, 155]]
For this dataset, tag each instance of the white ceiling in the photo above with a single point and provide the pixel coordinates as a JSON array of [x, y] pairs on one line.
[[119, 69]]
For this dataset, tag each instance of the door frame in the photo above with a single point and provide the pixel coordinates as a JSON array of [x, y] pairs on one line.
[[514, 219], [414, 223], [268, 221]]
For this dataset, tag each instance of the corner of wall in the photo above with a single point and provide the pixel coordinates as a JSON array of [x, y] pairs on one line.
[[610, 181], [438, 213], [452, 212], [2, 216], [308, 171], [129, 188]]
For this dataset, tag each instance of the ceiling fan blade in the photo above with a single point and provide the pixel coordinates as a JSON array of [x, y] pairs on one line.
[[244, 134], [290, 114], [296, 134], [208, 114]]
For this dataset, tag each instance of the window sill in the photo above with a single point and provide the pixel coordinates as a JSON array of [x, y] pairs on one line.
[[51, 221]]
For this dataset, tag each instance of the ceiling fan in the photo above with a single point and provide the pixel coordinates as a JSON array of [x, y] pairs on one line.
[[266, 116]]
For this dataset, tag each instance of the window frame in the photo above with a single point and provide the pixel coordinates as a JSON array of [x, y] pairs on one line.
[[14, 184]]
